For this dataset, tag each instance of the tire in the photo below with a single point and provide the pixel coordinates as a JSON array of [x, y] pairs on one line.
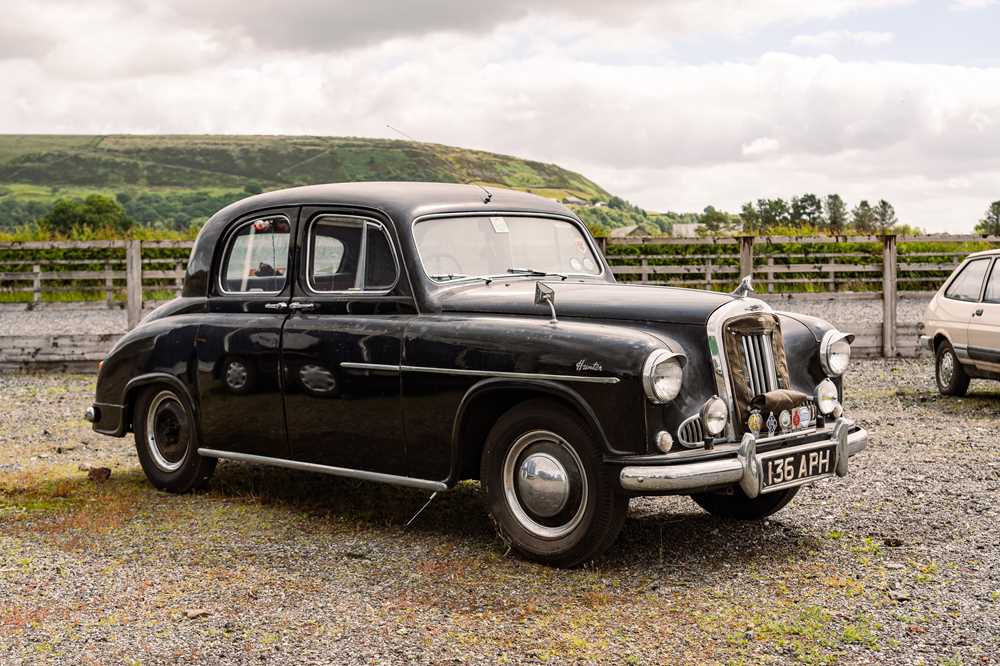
[[528, 451], [949, 374], [738, 506], [166, 439]]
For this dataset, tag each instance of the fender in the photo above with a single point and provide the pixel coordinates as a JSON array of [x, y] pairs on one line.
[[150, 378], [548, 387]]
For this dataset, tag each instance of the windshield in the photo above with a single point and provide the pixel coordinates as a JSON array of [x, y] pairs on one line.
[[452, 248]]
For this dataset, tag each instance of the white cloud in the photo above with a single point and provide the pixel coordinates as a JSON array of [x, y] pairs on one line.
[[966, 5], [833, 39], [760, 146]]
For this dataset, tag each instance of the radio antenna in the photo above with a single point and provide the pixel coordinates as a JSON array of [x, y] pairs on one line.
[[488, 196]]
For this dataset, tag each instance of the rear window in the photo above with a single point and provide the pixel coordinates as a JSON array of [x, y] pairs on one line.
[[969, 283]]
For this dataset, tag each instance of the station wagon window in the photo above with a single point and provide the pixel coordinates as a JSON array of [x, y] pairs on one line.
[[257, 257], [993, 286], [969, 283], [350, 254], [457, 247]]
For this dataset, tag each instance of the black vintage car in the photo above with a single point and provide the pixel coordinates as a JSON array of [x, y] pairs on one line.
[[422, 334]]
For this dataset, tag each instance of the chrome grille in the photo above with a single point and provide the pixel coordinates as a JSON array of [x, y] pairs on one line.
[[758, 357], [690, 434]]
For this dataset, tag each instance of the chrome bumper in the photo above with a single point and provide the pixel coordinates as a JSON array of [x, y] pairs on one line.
[[927, 342], [745, 469]]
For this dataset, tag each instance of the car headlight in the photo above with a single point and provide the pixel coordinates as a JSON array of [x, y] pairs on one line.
[[714, 416], [662, 374], [827, 398], [835, 352]]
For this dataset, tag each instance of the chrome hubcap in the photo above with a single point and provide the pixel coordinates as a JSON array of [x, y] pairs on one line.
[[946, 368], [236, 375], [545, 485], [167, 431]]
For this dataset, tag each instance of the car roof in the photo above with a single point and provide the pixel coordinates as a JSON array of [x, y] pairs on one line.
[[402, 201], [985, 253]]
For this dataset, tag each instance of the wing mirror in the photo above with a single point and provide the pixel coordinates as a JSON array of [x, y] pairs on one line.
[[546, 294]]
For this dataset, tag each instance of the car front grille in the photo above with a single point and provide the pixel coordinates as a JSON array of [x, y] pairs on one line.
[[758, 359], [690, 434]]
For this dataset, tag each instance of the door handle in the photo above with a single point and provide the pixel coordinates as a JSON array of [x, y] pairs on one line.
[[304, 307], [978, 313], [276, 306]]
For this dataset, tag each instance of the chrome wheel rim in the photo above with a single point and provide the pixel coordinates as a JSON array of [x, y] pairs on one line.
[[545, 485], [236, 375], [167, 431], [946, 368]]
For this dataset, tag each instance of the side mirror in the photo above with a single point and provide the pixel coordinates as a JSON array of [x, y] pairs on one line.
[[546, 294]]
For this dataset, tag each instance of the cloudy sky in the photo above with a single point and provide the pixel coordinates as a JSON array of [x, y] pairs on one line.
[[673, 104]]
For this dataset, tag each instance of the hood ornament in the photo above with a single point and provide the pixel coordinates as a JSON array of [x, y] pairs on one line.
[[745, 288], [546, 294]]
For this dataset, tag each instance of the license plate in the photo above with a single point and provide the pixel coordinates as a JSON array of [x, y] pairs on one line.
[[793, 469]]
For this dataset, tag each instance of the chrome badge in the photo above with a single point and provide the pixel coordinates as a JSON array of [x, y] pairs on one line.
[[755, 422], [785, 419], [772, 425], [805, 415]]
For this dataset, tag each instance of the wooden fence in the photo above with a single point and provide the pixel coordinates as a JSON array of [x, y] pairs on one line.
[[126, 273]]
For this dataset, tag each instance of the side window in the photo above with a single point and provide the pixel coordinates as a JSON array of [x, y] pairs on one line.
[[993, 286], [969, 283], [257, 257], [349, 254]]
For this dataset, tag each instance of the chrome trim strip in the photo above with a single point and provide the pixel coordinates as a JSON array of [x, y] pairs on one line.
[[479, 373], [436, 486], [718, 319], [743, 468], [582, 228]]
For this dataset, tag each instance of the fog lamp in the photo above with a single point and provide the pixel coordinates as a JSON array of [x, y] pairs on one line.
[[827, 397], [714, 416], [664, 442]]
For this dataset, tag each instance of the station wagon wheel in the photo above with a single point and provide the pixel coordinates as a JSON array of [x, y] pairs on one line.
[[949, 372], [548, 491], [167, 442]]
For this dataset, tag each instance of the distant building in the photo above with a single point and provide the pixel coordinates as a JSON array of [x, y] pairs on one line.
[[689, 230], [622, 232]]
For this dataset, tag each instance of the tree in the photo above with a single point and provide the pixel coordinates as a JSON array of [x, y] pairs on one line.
[[750, 218], [836, 213], [990, 224], [807, 209], [94, 212], [714, 221], [253, 187], [863, 217], [885, 216]]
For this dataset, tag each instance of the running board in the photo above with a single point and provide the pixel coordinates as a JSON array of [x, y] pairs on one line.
[[423, 484]]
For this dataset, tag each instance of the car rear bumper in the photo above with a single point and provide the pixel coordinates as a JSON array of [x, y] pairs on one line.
[[743, 467], [106, 418], [927, 342]]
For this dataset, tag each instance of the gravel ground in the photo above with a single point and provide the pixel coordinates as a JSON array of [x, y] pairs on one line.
[[83, 318], [898, 563]]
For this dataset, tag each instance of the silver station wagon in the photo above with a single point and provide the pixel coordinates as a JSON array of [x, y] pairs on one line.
[[962, 324]]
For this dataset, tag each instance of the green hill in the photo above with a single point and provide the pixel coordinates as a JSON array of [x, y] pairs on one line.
[[184, 176]]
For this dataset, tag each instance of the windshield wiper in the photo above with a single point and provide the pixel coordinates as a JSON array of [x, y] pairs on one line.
[[534, 273], [448, 276]]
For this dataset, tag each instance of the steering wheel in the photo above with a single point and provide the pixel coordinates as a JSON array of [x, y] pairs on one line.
[[436, 264]]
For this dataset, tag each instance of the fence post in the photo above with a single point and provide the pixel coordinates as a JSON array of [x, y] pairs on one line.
[[708, 274], [36, 284], [109, 284], [133, 281], [602, 244], [889, 298], [178, 280], [770, 275], [644, 264], [746, 256]]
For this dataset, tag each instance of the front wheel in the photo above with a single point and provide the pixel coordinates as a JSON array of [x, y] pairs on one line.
[[167, 442], [737, 506], [948, 371], [546, 486]]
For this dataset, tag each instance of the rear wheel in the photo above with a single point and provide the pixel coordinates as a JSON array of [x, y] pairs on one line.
[[951, 376], [737, 506], [167, 442], [547, 488]]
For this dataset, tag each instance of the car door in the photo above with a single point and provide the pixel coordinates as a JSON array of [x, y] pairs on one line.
[[341, 348], [961, 301], [984, 327], [238, 345]]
